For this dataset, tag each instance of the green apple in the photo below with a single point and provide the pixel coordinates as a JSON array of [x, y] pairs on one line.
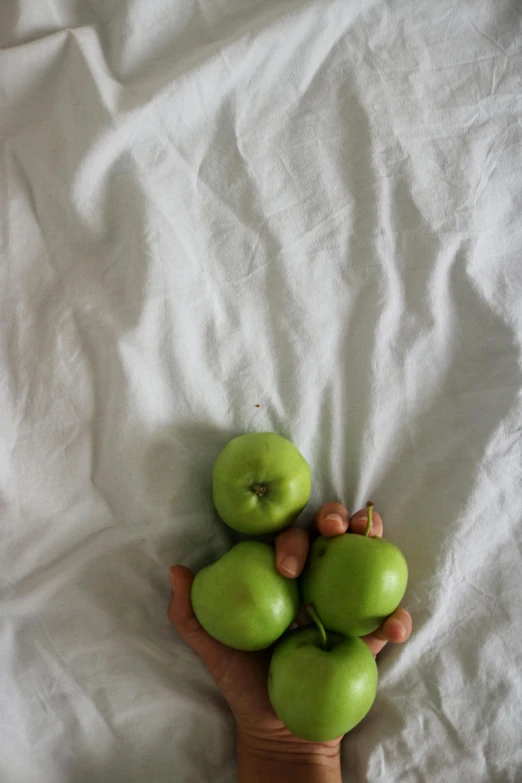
[[261, 483], [354, 582], [321, 692], [242, 600]]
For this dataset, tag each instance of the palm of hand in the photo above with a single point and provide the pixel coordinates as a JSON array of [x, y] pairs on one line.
[[242, 677]]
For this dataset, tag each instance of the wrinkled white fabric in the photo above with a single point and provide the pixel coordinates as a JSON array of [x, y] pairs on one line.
[[311, 207]]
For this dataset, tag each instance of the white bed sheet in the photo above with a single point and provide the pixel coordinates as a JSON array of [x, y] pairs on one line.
[[310, 207]]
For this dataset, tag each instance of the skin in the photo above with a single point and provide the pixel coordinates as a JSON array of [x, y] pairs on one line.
[[266, 751]]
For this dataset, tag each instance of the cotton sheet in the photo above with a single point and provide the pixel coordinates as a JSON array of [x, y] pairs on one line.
[[235, 215]]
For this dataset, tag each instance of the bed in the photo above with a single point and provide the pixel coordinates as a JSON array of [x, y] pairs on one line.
[[227, 216]]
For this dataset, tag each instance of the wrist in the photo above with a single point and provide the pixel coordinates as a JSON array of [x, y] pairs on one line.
[[286, 759]]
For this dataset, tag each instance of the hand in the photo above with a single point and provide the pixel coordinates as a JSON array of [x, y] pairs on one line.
[[242, 677]]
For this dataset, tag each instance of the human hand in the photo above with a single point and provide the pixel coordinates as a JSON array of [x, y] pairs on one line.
[[242, 676]]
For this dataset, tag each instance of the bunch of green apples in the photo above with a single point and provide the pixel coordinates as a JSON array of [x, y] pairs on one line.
[[323, 678]]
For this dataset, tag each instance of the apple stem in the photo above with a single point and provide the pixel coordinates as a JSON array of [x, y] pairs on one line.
[[315, 617], [259, 489], [369, 513]]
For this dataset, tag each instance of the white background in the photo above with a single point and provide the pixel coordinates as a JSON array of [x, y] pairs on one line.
[[314, 207]]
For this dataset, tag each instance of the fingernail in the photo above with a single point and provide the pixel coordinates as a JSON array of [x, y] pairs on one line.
[[290, 564], [399, 630], [171, 578], [337, 518]]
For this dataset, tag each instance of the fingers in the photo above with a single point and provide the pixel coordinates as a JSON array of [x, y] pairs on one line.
[[396, 628], [359, 520], [332, 520], [180, 613], [291, 552]]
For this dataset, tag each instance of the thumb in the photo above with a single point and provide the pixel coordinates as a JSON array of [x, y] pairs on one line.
[[214, 655]]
